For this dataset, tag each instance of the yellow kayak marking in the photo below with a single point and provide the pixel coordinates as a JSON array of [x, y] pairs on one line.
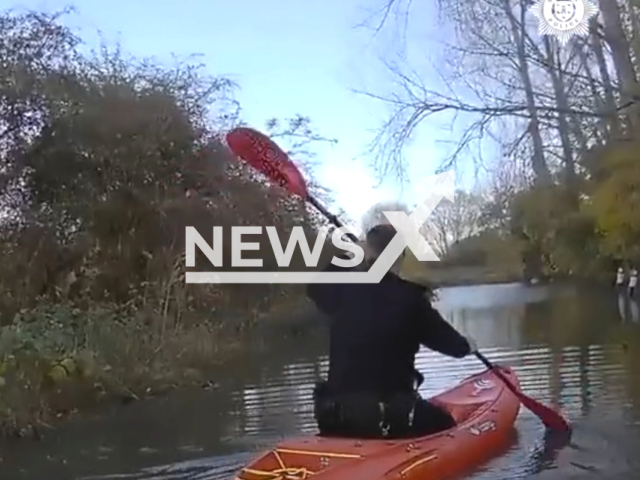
[[281, 474], [279, 459], [318, 454], [293, 473], [417, 463]]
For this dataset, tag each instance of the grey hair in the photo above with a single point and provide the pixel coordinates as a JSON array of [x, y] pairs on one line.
[[376, 238], [375, 215]]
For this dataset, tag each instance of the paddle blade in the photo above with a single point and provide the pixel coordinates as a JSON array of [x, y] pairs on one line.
[[266, 156], [551, 419]]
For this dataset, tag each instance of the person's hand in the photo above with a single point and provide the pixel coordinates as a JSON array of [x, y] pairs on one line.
[[473, 346]]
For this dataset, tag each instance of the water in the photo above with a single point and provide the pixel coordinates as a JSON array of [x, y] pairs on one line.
[[579, 349]]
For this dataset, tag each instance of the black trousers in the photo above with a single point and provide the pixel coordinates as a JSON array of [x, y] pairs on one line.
[[364, 415]]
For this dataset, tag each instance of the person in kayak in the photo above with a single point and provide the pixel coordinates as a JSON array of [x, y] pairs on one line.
[[375, 331]]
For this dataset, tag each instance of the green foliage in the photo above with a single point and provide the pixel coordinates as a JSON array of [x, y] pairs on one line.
[[615, 201], [558, 232], [580, 229], [583, 228], [49, 331], [485, 248]]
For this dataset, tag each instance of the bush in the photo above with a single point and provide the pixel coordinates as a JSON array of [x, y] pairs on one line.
[[105, 159]]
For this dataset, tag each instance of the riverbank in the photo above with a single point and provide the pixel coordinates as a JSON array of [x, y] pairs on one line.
[[91, 358], [102, 357], [105, 356], [463, 276]]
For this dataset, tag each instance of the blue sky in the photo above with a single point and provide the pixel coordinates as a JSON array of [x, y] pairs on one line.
[[288, 56]]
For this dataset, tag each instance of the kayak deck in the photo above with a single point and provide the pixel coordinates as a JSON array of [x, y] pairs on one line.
[[484, 409]]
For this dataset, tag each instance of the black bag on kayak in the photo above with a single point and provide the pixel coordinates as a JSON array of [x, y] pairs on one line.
[[363, 415]]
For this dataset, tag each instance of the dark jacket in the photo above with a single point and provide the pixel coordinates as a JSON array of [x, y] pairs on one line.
[[376, 331]]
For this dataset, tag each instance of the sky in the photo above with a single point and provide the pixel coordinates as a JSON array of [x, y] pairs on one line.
[[288, 57]]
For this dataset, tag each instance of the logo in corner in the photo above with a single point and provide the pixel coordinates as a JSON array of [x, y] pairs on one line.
[[563, 18]]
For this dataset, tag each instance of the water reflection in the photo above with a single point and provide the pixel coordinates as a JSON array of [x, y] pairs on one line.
[[635, 315], [628, 308], [567, 346], [622, 306]]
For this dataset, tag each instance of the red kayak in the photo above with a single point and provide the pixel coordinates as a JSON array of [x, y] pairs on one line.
[[485, 411]]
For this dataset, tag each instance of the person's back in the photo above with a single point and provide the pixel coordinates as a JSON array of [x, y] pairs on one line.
[[375, 332]]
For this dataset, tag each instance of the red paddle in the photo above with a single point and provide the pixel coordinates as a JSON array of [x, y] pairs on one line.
[[266, 156]]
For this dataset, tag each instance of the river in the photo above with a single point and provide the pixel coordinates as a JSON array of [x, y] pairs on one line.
[[575, 347]]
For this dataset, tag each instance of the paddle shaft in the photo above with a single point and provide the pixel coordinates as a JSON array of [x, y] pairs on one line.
[[330, 216]]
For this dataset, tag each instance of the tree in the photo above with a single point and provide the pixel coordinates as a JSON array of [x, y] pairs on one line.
[[505, 181], [556, 112], [105, 160], [615, 36], [509, 85], [451, 223]]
